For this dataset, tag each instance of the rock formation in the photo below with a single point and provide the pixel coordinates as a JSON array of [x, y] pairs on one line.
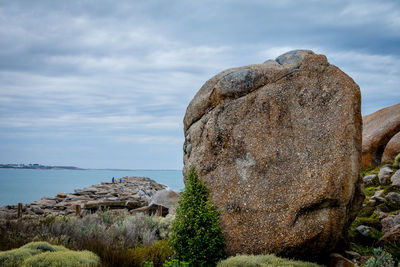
[[132, 193], [278, 145], [392, 149], [378, 129]]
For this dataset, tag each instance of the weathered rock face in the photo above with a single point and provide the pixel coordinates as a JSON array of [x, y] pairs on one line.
[[378, 128], [392, 149], [279, 147]]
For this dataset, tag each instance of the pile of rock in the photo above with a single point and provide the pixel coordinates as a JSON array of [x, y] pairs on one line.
[[131, 193], [381, 210]]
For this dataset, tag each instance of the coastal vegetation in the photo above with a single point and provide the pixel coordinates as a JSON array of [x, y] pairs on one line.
[[41, 254], [192, 237]]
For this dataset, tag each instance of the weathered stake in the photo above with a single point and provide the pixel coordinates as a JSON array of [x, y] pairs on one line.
[[19, 210], [78, 210]]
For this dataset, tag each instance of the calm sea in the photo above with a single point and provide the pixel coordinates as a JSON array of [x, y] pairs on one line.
[[26, 186]]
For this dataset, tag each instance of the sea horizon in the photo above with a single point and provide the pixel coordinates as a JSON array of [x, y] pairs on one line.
[[28, 185]]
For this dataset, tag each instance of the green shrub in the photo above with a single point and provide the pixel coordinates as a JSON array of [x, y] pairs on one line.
[[380, 259], [63, 259], [15, 257], [262, 260], [196, 235], [157, 253], [396, 161], [44, 246], [45, 254], [164, 225], [176, 263]]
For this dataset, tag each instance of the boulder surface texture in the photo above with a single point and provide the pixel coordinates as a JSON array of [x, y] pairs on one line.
[[392, 149], [278, 145], [378, 128]]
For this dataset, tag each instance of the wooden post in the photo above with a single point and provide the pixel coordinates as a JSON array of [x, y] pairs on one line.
[[19, 210], [78, 210], [159, 211]]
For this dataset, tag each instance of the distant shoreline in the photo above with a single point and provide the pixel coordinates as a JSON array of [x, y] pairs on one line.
[[45, 167], [37, 167]]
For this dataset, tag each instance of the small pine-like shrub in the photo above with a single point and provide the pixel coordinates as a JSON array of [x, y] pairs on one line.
[[380, 259], [262, 260], [196, 235], [63, 258]]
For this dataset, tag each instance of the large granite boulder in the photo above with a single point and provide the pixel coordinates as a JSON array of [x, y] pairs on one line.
[[392, 149], [378, 128], [278, 145]]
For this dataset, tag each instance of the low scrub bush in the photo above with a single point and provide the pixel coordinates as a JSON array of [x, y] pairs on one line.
[[15, 257], [262, 260], [196, 236], [380, 259], [44, 254], [109, 234], [63, 258]]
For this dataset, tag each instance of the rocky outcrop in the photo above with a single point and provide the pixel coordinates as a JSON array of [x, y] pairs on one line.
[[378, 129], [132, 193], [392, 149], [278, 145]]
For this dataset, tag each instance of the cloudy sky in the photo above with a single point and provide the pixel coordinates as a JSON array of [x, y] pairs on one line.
[[106, 83]]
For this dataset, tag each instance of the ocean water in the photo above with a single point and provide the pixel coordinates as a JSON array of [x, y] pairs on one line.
[[28, 185]]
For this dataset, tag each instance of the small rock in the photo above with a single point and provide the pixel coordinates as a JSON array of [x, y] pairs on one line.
[[396, 179], [352, 255], [62, 195], [375, 199], [394, 197], [369, 179], [390, 222], [378, 193], [384, 174], [337, 260], [364, 230], [37, 210], [391, 237]]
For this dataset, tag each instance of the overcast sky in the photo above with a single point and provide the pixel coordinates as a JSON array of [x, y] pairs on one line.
[[106, 83]]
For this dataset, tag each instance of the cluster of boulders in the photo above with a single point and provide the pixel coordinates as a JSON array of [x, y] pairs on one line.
[[385, 203], [131, 193], [381, 136]]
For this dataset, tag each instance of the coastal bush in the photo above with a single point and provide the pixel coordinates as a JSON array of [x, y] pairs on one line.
[[62, 258], [380, 259], [109, 234], [157, 254], [15, 257], [262, 260], [396, 162], [44, 254], [196, 235]]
